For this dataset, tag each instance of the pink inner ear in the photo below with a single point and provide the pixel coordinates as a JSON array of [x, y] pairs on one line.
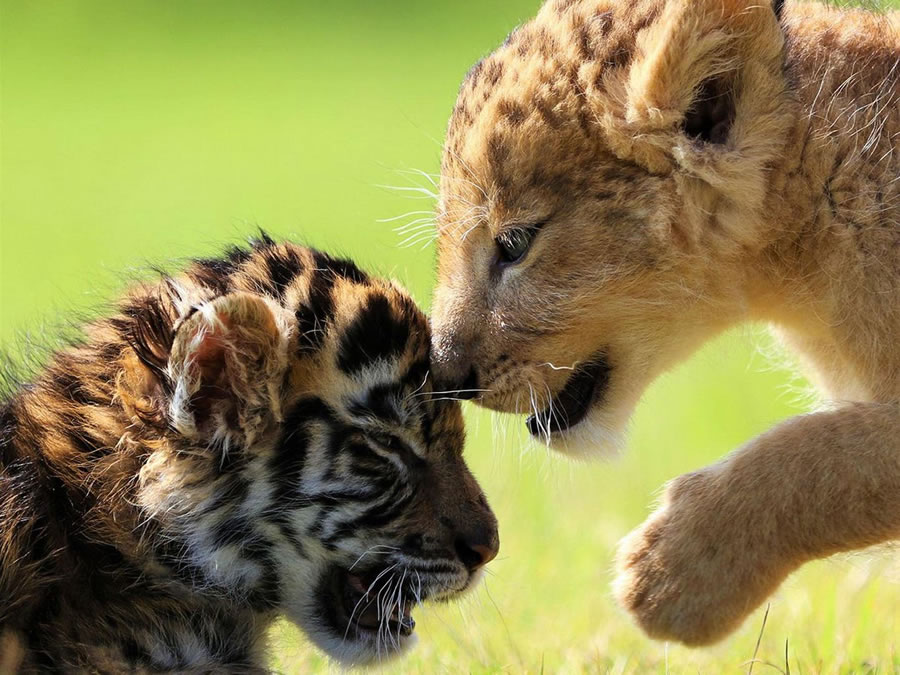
[[209, 358]]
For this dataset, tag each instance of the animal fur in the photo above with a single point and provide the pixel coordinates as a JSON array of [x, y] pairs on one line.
[[680, 167], [253, 437]]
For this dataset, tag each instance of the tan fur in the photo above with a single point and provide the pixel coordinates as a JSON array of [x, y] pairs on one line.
[[693, 165]]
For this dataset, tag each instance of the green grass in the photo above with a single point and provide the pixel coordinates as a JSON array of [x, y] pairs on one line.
[[153, 130]]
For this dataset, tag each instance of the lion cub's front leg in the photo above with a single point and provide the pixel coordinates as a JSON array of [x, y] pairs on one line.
[[726, 536]]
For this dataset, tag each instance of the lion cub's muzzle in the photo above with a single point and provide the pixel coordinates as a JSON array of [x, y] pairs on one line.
[[583, 389], [510, 383]]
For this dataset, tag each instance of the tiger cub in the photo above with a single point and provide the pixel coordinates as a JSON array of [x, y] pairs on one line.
[[255, 437]]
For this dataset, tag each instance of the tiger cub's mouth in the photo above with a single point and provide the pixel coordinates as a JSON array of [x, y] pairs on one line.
[[570, 406], [371, 604]]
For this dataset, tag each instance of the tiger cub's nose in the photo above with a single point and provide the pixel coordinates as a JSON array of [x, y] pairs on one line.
[[477, 547]]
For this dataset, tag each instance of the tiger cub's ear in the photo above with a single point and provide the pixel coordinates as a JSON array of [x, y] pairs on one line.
[[226, 367]]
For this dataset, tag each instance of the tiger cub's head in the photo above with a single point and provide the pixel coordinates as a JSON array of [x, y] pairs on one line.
[[307, 466]]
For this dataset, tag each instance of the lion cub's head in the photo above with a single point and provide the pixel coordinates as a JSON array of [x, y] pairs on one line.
[[604, 172]]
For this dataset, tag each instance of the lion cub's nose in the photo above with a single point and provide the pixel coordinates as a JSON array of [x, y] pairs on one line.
[[466, 388], [452, 367], [463, 386]]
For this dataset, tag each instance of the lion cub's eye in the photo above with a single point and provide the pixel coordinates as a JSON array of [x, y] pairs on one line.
[[513, 244]]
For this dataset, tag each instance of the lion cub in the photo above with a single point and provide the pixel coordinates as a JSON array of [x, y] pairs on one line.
[[621, 181]]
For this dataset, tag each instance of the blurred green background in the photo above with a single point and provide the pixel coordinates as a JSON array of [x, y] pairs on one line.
[[148, 131]]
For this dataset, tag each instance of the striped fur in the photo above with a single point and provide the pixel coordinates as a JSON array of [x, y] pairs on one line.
[[257, 436]]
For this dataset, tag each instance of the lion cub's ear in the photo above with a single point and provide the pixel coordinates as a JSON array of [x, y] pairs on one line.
[[707, 93], [227, 366]]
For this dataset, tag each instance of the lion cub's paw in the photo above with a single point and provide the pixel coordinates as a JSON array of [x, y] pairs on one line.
[[686, 574]]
